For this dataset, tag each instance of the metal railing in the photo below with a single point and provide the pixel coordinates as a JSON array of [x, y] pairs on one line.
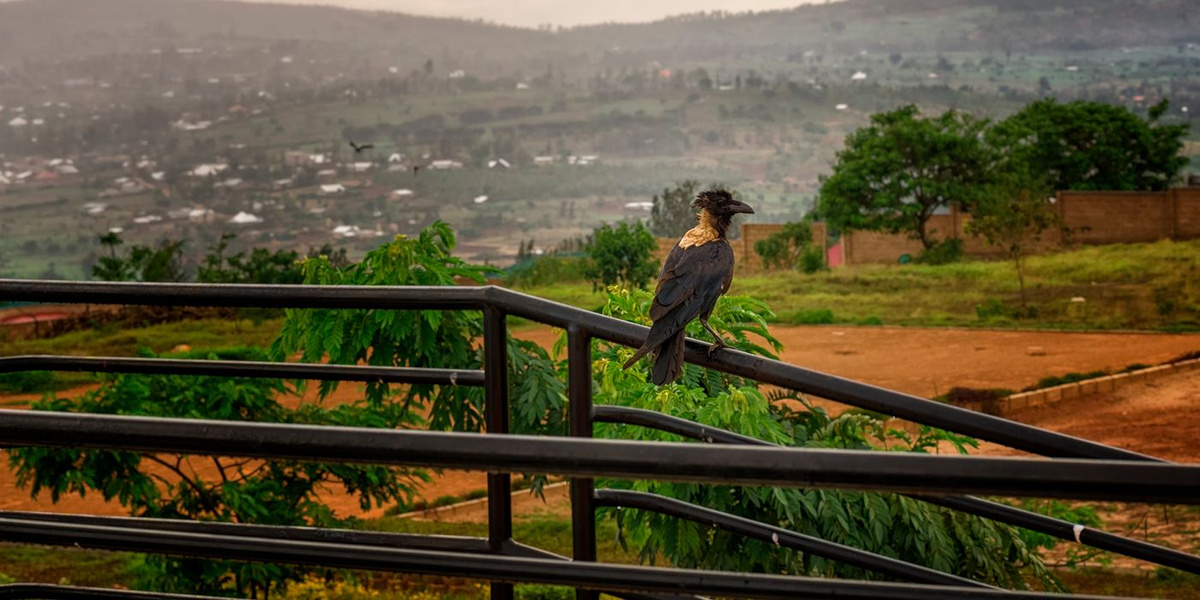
[[1081, 469]]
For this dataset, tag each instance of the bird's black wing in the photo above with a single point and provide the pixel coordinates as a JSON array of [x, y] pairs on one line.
[[691, 281], [366, 146]]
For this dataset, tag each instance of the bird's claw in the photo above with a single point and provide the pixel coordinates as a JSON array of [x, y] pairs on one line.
[[714, 347]]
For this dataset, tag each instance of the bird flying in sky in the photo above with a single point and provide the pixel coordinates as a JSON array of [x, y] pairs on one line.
[[358, 148], [696, 273]]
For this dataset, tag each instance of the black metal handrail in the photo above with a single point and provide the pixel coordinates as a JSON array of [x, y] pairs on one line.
[[1058, 528], [1118, 474], [493, 567], [667, 461]]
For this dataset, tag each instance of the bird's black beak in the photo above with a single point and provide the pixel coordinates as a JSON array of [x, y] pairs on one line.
[[740, 208]]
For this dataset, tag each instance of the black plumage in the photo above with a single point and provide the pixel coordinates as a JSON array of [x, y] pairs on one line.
[[696, 273], [358, 149]]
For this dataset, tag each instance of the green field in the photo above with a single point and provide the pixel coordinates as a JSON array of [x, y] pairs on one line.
[[1125, 286]]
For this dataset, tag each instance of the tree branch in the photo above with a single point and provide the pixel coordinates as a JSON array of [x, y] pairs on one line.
[[204, 495]]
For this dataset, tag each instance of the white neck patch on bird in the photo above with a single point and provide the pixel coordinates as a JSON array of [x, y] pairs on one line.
[[703, 233]]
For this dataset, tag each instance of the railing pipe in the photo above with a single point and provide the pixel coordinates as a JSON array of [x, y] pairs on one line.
[[249, 369], [608, 577], [980, 507], [741, 465], [781, 537], [579, 389], [499, 484]]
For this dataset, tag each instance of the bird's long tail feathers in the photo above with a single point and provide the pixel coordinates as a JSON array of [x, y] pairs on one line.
[[669, 364], [644, 350]]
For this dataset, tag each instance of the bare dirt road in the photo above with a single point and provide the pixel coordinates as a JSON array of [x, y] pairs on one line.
[[924, 362]]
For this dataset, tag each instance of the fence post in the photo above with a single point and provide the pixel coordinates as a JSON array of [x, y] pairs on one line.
[[579, 392], [495, 372]]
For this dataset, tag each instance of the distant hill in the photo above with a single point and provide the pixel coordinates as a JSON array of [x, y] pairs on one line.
[[43, 29]]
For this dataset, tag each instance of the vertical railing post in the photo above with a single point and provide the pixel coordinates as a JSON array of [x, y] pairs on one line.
[[495, 370], [579, 392]]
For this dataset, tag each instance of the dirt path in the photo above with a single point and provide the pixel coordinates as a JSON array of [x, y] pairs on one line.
[[924, 362], [1156, 418], [927, 362]]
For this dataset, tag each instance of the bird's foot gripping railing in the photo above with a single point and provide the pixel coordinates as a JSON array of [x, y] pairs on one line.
[[1081, 469]]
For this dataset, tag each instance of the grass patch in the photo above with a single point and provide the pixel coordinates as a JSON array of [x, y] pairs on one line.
[[1164, 583], [1057, 380], [1125, 286], [112, 341], [546, 532], [69, 565]]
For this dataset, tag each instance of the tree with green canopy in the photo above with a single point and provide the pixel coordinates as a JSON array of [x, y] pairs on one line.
[[1084, 145], [898, 171]]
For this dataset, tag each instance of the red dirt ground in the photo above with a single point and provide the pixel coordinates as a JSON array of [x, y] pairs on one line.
[[924, 362]]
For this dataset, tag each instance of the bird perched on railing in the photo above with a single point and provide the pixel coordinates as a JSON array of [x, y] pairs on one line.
[[696, 273]]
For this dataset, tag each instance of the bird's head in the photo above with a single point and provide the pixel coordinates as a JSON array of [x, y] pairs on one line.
[[720, 203]]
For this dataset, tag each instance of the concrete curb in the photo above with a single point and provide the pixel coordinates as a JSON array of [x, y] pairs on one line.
[[1088, 387]]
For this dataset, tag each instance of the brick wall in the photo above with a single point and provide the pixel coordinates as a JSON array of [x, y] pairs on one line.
[[748, 260], [1093, 217], [1117, 217], [864, 247], [1187, 213]]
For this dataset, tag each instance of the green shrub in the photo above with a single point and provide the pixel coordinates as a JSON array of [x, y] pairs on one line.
[[812, 260], [25, 382], [544, 270], [621, 255], [961, 396], [819, 316], [1057, 380], [543, 592], [871, 320], [949, 250]]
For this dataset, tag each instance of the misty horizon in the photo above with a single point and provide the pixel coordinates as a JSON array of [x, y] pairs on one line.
[[537, 13]]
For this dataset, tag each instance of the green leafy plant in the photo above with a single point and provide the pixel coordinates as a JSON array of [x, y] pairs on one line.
[[671, 212], [791, 248], [259, 266], [1080, 514], [161, 263], [621, 255], [896, 172], [1013, 215], [888, 524], [396, 338], [1086, 145], [944, 252], [209, 488]]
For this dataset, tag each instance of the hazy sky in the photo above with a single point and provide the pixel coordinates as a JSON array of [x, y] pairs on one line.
[[531, 13]]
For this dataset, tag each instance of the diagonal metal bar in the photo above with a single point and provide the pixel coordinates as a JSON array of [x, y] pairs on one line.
[[824, 385], [253, 369], [781, 537], [743, 465], [443, 543], [618, 578], [1057, 528]]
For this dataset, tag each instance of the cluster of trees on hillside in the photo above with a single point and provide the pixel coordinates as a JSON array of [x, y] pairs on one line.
[[896, 173], [165, 262]]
